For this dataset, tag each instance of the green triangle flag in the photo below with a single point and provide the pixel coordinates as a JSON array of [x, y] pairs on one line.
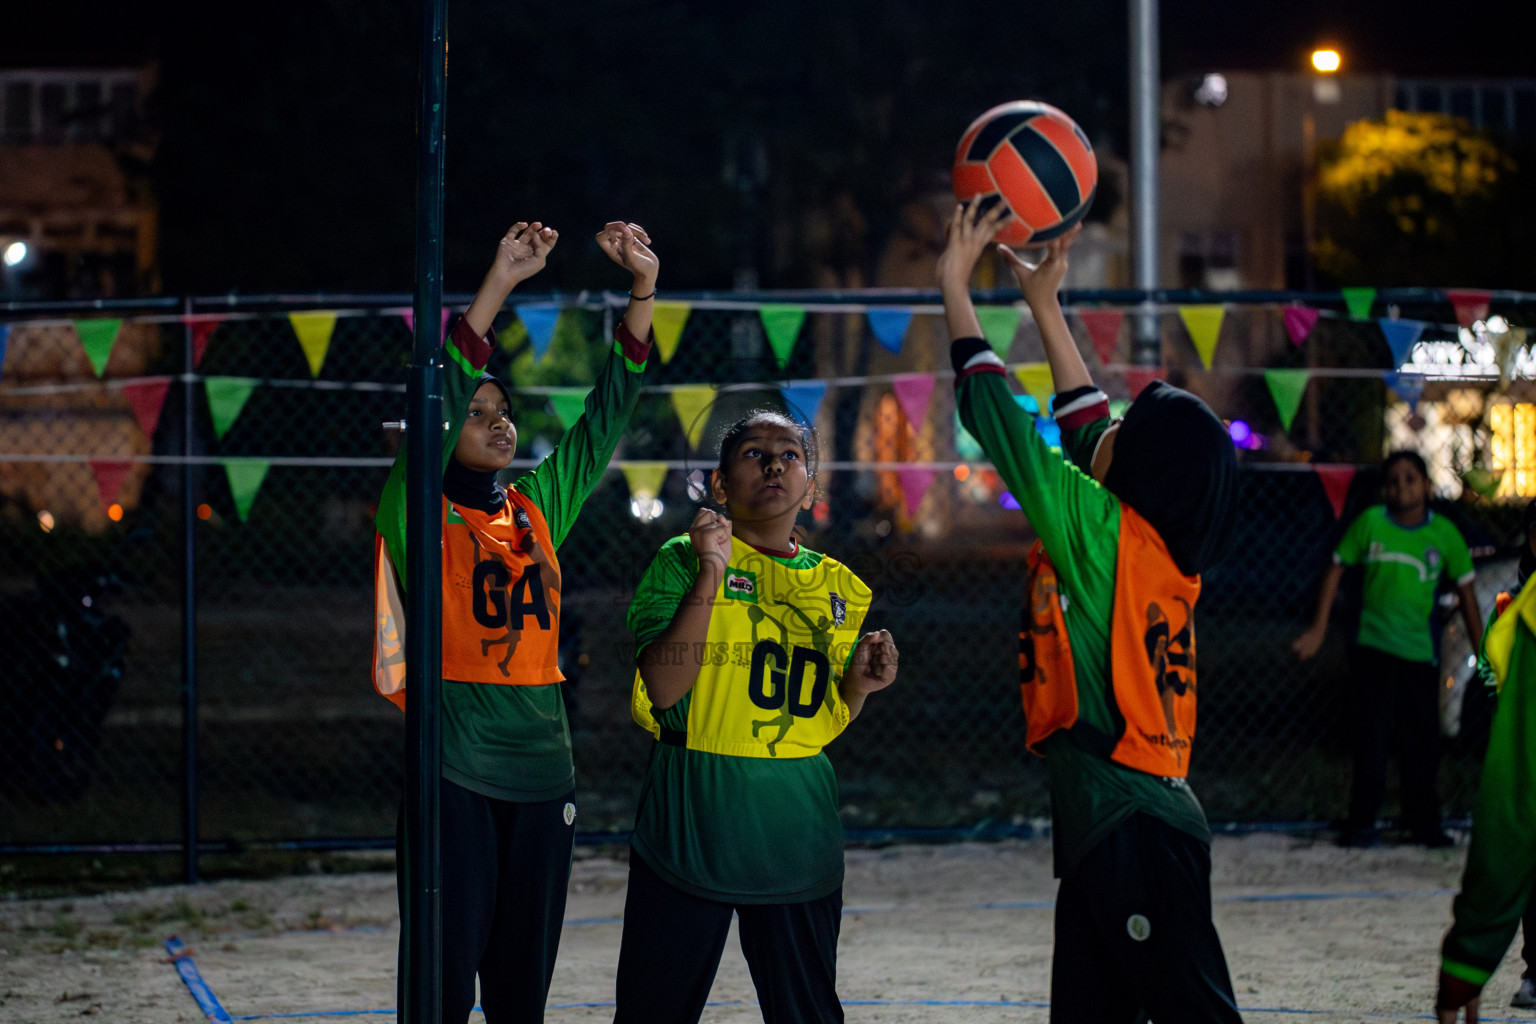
[[1359, 301], [692, 402], [998, 325], [782, 322], [245, 477], [644, 477], [1204, 326], [667, 320], [1286, 387], [314, 331], [226, 397], [569, 404], [1036, 378], [98, 337]]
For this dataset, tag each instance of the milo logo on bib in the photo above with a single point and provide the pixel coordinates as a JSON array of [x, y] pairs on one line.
[[741, 585]]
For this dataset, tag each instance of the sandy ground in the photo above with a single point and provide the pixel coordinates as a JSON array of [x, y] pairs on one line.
[[925, 926]]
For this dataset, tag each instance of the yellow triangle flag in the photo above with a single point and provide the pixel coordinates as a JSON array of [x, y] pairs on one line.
[[645, 478], [692, 403], [314, 331], [1204, 326], [1036, 378], [667, 320]]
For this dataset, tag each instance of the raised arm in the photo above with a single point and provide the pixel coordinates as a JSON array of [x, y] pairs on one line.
[[667, 676], [1040, 283], [519, 255]]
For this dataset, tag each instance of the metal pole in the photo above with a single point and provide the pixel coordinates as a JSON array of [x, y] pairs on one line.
[[422, 938], [1145, 138], [189, 826]]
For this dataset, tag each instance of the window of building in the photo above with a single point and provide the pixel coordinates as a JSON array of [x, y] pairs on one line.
[[58, 106], [1512, 447]]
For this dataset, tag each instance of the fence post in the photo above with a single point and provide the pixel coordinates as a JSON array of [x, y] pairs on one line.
[[189, 825]]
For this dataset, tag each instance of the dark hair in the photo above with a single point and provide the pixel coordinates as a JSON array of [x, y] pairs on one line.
[[730, 441], [1413, 458]]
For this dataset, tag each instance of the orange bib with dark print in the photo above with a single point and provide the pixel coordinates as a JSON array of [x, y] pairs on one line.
[[1152, 655]]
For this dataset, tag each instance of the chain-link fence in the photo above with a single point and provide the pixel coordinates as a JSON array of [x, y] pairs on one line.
[[249, 436]]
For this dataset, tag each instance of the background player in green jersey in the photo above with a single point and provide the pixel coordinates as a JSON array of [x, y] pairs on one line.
[[750, 662], [1499, 881], [1405, 550], [508, 784], [1123, 511]]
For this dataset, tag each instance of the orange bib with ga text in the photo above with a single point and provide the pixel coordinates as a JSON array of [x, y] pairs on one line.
[[1152, 655]]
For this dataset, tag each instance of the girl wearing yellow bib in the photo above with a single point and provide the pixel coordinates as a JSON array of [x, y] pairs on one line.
[[750, 662]]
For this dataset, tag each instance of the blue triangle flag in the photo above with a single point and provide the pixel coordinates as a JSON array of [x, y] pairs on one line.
[[1401, 336], [1407, 386], [540, 320], [5, 336], [802, 401], [889, 325]]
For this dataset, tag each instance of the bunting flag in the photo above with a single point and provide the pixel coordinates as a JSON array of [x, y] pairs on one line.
[[98, 337], [1401, 336], [1483, 482], [889, 325], [226, 397], [913, 391], [803, 401], [568, 403], [202, 332], [914, 485], [691, 403], [245, 477], [667, 321], [782, 324], [1471, 305], [110, 475], [644, 478], [1407, 386], [540, 319], [5, 336], [998, 325], [1359, 301], [408, 314], [1103, 327], [1286, 388], [147, 397], [1335, 479], [1204, 326], [1037, 383], [1299, 321], [1138, 377], [314, 330]]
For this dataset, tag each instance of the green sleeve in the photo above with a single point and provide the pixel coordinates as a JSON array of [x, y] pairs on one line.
[[1072, 514], [560, 483], [464, 357], [661, 590], [1078, 445], [1501, 861], [1352, 546]]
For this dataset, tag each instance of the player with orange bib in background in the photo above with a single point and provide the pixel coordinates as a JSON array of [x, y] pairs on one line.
[[508, 784], [1128, 515]]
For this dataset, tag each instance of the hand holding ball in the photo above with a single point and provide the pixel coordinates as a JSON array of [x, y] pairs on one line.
[[1035, 159]]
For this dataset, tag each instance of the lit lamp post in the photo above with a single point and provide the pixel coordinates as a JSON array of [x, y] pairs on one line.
[[1324, 90]]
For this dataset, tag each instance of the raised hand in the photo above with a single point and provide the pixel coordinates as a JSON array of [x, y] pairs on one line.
[[710, 536], [521, 252], [628, 245], [1042, 280], [874, 664], [966, 236]]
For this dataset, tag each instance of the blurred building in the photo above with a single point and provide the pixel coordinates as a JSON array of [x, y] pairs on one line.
[[77, 217]]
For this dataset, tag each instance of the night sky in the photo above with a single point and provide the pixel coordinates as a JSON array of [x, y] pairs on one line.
[[285, 155]]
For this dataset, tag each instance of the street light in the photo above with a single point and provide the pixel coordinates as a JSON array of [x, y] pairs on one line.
[[1324, 90], [1326, 61]]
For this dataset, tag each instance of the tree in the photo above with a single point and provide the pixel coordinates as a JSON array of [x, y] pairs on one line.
[[1422, 199]]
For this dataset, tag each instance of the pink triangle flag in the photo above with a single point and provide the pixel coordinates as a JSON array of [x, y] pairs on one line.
[[915, 482], [913, 391], [110, 476], [1104, 328], [1335, 478], [1471, 304], [147, 398], [1299, 321], [408, 314]]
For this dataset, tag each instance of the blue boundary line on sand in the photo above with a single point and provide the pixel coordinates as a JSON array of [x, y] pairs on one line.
[[181, 957]]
